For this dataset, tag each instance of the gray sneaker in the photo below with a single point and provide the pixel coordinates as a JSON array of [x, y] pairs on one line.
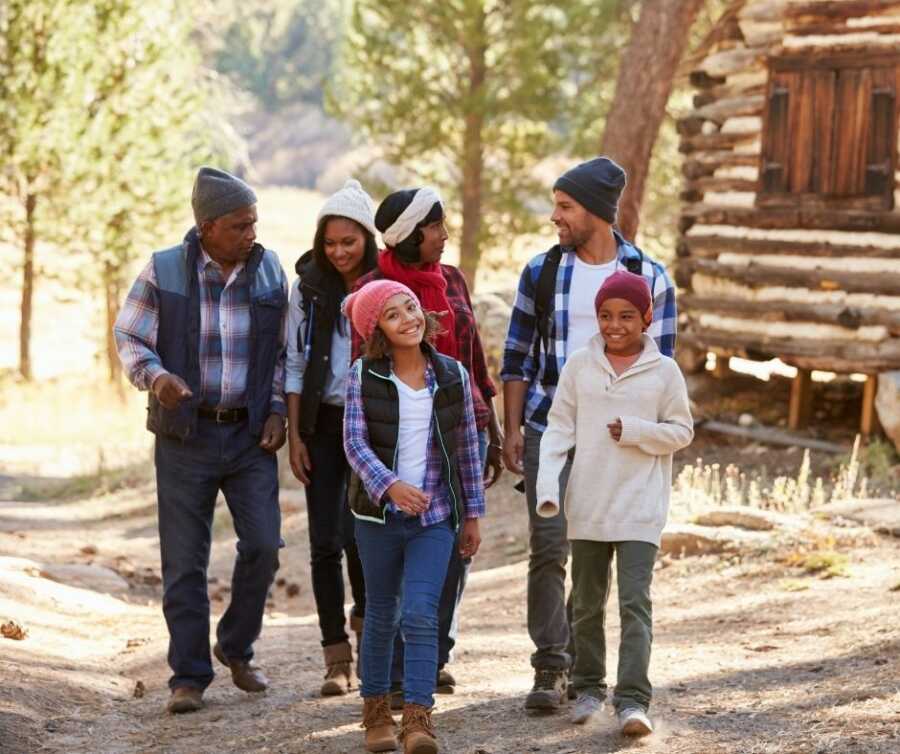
[[633, 721], [586, 706]]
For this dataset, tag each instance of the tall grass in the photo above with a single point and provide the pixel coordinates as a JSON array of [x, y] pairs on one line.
[[866, 470]]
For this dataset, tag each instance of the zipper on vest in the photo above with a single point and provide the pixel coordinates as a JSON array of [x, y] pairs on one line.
[[396, 446]]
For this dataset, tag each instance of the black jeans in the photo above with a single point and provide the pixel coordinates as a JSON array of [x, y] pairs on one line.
[[331, 530], [189, 476]]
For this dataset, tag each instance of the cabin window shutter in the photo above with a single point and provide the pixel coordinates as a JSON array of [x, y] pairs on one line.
[[776, 150], [879, 166]]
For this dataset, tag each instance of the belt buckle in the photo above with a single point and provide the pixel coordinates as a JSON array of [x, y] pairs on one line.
[[221, 413]]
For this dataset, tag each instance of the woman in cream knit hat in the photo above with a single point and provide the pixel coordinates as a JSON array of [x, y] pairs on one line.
[[317, 362]]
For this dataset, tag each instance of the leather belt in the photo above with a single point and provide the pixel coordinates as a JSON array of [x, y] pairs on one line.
[[224, 415]]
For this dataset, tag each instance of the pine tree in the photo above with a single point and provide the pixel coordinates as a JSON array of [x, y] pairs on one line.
[[472, 94]]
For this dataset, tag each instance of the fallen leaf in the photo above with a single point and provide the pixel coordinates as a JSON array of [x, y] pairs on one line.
[[89, 550], [139, 690], [293, 589], [12, 630], [763, 648]]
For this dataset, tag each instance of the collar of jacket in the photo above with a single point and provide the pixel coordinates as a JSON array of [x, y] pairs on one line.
[[650, 355]]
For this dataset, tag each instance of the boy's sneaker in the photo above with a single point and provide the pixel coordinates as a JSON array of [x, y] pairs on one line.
[[548, 692], [586, 706], [633, 721]]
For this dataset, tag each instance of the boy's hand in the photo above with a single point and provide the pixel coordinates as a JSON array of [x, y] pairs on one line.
[[469, 538], [615, 430], [407, 498]]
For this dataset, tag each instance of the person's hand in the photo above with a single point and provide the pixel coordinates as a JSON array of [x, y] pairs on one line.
[[170, 390], [469, 538], [514, 451], [615, 429], [299, 456], [407, 498], [273, 434], [494, 466]]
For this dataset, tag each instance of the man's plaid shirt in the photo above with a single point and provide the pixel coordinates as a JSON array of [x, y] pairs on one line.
[[543, 375], [376, 477], [224, 335]]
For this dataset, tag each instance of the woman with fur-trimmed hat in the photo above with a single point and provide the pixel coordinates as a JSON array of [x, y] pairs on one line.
[[411, 222], [318, 358]]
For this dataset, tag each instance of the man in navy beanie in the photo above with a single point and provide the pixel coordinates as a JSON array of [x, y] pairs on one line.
[[203, 332], [552, 317]]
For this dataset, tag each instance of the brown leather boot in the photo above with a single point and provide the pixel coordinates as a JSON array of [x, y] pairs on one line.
[[381, 730], [185, 699], [356, 625], [416, 730], [338, 658], [245, 674]]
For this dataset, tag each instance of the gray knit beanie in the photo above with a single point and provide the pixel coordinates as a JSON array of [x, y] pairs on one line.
[[217, 193], [596, 185]]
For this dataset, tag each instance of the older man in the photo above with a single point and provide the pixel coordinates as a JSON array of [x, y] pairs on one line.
[[553, 316], [203, 330]]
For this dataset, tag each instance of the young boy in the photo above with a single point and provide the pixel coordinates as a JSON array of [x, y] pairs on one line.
[[625, 407]]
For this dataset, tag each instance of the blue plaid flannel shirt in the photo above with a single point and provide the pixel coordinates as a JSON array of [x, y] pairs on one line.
[[542, 377], [376, 477]]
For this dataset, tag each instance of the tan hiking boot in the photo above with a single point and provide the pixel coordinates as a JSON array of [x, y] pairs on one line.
[[245, 674], [381, 730], [185, 699], [338, 659], [416, 730]]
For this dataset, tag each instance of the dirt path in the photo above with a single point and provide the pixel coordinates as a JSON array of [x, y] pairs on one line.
[[750, 657]]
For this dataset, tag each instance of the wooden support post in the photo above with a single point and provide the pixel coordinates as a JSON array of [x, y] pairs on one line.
[[868, 422], [801, 400], [721, 370]]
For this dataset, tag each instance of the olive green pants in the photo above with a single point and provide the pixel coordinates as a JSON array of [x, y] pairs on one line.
[[591, 580]]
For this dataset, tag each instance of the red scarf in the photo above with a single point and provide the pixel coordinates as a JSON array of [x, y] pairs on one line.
[[430, 285]]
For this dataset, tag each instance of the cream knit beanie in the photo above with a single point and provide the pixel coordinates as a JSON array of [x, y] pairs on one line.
[[352, 202]]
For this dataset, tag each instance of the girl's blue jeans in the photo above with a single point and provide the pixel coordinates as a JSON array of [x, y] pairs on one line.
[[402, 557]]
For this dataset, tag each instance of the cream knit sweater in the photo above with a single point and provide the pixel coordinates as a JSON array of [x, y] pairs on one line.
[[617, 491]]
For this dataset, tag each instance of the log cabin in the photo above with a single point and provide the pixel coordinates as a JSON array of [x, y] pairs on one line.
[[790, 229]]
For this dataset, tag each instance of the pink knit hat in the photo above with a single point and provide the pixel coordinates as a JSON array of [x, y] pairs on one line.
[[633, 288], [364, 307]]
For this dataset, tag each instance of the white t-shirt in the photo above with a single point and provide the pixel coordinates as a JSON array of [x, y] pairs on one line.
[[586, 281], [412, 440]]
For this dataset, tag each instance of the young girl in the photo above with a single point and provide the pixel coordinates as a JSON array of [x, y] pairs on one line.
[[624, 407], [410, 438], [318, 358]]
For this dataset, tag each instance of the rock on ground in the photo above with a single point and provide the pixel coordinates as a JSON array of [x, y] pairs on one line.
[[887, 405]]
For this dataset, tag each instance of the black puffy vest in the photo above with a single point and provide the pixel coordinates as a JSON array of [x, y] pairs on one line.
[[381, 406]]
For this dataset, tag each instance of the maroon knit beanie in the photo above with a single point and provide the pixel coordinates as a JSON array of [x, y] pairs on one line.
[[626, 285]]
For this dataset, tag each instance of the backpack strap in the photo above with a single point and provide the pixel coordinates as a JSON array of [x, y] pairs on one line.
[[635, 265], [544, 292]]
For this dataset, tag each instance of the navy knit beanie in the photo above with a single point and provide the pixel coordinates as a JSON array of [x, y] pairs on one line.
[[596, 185]]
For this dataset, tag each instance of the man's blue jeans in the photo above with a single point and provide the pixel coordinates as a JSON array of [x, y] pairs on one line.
[[189, 476], [402, 557]]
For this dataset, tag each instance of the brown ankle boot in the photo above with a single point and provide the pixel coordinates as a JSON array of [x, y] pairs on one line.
[[381, 730], [416, 730], [338, 658], [356, 625]]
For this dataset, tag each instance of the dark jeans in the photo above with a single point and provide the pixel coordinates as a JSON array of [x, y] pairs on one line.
[[591, 581], [549, 615], [331, 532], [189, 476], [402, 557], [451, 597]]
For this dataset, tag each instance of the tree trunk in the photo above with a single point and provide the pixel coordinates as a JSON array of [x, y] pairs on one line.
[[27, 288], [645, 81], [112, 288], [473, 160]]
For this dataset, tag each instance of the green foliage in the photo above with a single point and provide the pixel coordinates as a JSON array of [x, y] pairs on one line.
[[281, 52], [105, 115], [480, 87]]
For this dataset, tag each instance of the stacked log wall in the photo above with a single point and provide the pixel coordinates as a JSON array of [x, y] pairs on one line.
[[817, 287]]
